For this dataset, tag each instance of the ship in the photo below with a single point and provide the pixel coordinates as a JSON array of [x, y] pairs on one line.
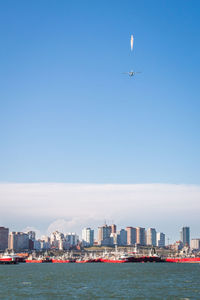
[[39, 260], [61, 260], [8, 259], [114, 260], [183, 259]]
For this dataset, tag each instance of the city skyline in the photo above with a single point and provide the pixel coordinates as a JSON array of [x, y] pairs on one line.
[[107, 235]]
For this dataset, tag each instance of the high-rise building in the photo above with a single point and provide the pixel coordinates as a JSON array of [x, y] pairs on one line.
[[45, 244], [18, 241], [88, 237], [140, 236], [37, 245], [31, 235], [160, 239], [123, 237], [4, 238], [72, 239], [114, 239], [131, 235], [104, 235], [195, 244], [185, 236], [151, 236], [45, 238], [56, 238], [113, 228]]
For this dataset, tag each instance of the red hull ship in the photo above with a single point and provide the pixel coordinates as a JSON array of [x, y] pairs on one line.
[[7, 261], [114, 261], [183, 259]]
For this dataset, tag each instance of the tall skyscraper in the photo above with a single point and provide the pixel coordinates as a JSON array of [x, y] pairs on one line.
[[185, 236], [4, 238], [151, 237], [88, 237], [160, 239], [104, 235], [131, 235], [18, 241], [140, 236]]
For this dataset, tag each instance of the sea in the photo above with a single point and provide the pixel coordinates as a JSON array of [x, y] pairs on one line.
[[100, 281]]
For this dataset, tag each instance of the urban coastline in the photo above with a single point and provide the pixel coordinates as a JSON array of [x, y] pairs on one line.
[[132, 244]]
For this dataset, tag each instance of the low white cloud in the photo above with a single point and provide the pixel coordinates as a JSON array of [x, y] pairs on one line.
[[72, 206]]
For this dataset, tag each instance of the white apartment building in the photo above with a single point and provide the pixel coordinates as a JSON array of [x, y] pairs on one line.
[[88, 237], [195, 244]]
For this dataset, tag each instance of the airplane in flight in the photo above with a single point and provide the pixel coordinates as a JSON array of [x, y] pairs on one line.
[[131, 73]]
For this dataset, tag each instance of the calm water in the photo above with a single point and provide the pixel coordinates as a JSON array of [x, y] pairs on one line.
[[100, 281]]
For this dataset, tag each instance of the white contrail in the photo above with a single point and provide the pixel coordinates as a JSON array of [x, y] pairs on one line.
[[132, 42]]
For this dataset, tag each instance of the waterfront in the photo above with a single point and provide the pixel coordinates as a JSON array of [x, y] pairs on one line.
[[100, 281]]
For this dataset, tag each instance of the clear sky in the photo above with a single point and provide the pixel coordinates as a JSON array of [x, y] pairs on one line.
[[67, 112], [69, 115]]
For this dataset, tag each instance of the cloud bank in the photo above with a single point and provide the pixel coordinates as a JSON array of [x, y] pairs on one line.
[[72, 206]]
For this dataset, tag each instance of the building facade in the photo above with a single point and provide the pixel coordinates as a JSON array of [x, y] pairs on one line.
[[18, 241], [87, 237], [185, 236], [160, 239], [104, 233], [56, 239], [31, 235], [113, 228], [140, 236], [4, 232], [151, 237], [131, 235], [123, 237], [72, 239], [195, 244]]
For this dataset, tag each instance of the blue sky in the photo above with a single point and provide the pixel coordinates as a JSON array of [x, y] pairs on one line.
[[67, 114]]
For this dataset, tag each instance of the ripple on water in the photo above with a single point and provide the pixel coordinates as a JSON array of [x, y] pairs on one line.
[[100, 281]]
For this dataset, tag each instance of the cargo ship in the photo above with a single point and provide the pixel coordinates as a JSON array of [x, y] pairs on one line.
[[145, 259], [183, 259]]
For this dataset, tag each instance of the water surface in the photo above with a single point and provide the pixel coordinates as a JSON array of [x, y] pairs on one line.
[[100, 281]]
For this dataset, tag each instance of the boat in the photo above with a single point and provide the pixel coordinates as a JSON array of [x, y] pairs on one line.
[[39, 260], [183, 259], [61, 261], [114, 260], [8, 259], [35, 261], [87, 260]]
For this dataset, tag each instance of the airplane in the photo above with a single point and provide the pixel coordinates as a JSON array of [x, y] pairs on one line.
[[131, 73]]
